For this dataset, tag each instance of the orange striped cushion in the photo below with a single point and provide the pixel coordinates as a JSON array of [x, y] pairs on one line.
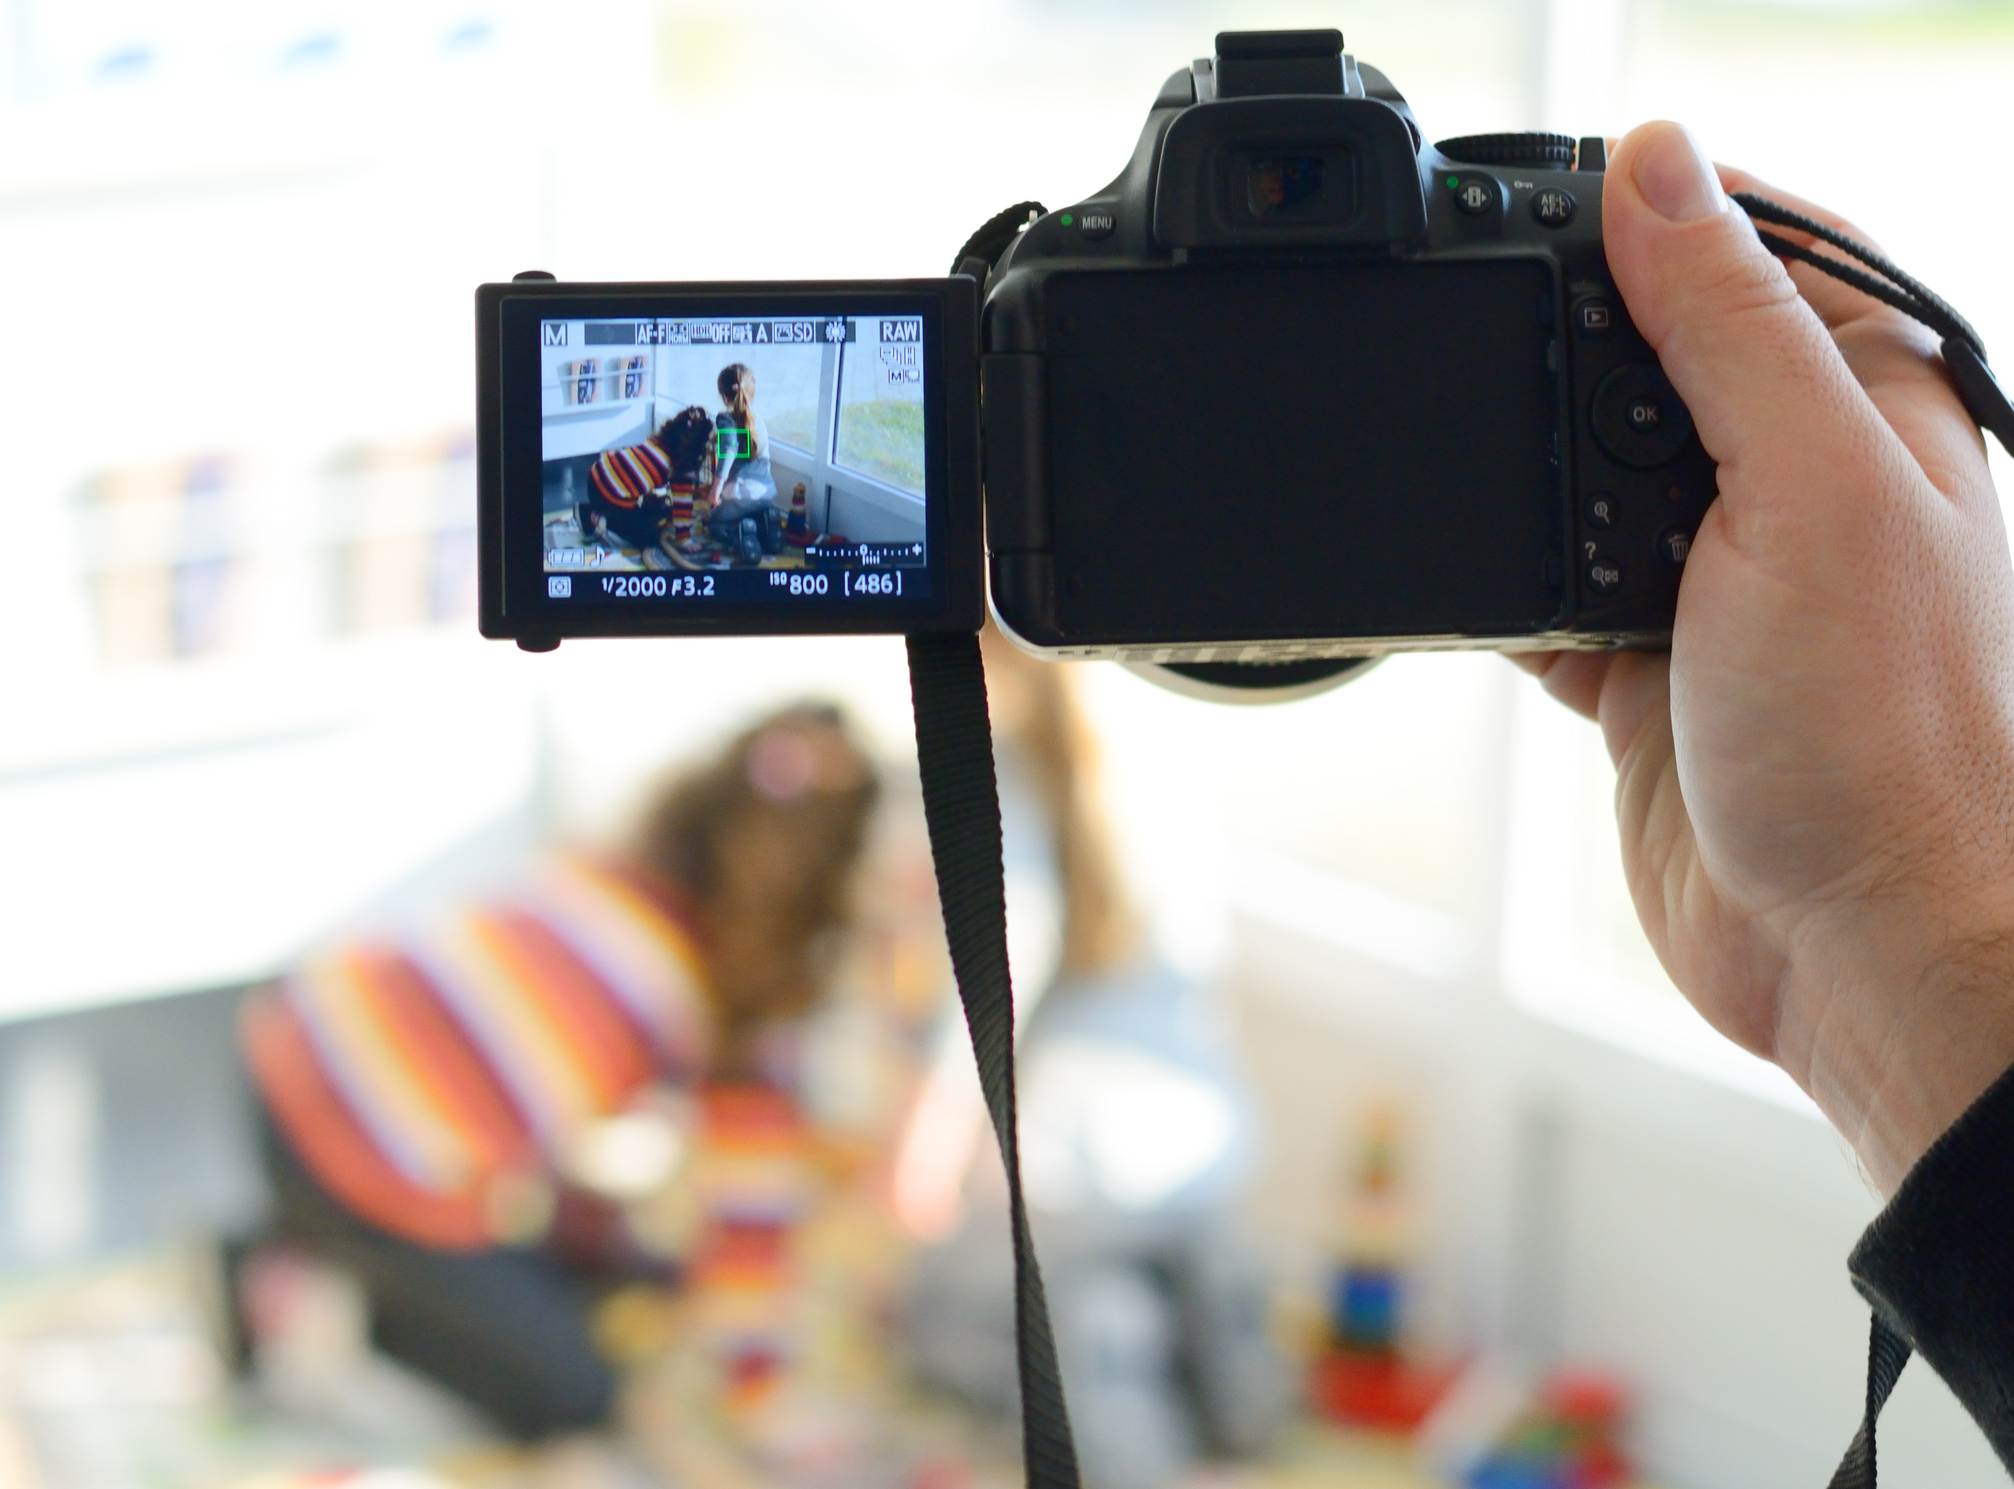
[[471, 1056]]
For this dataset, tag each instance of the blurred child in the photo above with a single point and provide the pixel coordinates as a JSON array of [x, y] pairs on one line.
[[434, 1103]]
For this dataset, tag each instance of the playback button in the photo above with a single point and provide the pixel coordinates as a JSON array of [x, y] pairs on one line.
[[1594, 317]]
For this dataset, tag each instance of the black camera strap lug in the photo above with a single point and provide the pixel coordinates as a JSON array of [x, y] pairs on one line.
[[1204, 71]]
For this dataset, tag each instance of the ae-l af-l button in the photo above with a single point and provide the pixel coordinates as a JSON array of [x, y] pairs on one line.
[[1552, 207]]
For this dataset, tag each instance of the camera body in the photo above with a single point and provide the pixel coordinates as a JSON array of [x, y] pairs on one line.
[[1299, 384], [1296, 386]]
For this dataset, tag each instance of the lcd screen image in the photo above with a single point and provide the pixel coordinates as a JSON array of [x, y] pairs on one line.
[[706, 452]]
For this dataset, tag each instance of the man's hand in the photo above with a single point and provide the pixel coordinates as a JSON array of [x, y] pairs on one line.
[[1816, 788]]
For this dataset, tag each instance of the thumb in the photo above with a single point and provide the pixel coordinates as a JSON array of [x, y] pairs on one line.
[[1768, 390]]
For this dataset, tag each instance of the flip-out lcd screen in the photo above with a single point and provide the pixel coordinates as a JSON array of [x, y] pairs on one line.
[[725, 458]]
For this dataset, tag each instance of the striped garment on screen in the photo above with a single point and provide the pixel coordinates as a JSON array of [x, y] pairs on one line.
[[624, 477]]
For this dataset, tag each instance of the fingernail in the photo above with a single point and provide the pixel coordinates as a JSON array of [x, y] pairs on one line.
[[1676, 179]]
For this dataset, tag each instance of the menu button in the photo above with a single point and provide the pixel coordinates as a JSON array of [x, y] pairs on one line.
[[1094, 224]]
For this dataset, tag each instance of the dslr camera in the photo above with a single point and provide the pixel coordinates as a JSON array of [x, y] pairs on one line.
[[1296, 390]]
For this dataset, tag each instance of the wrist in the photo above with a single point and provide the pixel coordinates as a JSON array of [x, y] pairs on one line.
[[1893, 1036]]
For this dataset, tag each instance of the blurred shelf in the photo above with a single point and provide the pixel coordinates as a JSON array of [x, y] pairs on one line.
[[199, 825]]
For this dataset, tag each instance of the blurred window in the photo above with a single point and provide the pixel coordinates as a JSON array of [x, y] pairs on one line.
[[1390, 780]]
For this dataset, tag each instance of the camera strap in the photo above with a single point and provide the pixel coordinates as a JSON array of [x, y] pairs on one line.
[[1964, 352], [961, 803], [1887, 1353]]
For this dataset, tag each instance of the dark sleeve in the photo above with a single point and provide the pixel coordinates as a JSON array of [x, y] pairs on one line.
[[1938, 1263]]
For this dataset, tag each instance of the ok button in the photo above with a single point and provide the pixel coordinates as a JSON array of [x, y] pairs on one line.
[[1637, 416]]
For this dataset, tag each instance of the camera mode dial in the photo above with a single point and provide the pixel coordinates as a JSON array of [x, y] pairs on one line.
[[1545, 152]]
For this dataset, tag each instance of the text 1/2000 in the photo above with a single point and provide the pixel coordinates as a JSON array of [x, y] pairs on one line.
[[656, 586]]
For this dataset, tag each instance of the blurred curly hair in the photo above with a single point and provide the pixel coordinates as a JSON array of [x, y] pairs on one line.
[[762, 842]]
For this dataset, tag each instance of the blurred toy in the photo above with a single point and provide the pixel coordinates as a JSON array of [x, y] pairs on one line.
[[1363, 1379], [1364, 1301], [753, 1183], [1568, 1439]]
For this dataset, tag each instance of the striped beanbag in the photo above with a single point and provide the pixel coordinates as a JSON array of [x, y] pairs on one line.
[[435, 1082]]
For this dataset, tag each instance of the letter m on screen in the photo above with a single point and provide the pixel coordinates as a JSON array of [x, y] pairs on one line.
[[555, 332]]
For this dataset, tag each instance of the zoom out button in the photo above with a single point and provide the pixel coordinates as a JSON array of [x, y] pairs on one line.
[[1604, 576]]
